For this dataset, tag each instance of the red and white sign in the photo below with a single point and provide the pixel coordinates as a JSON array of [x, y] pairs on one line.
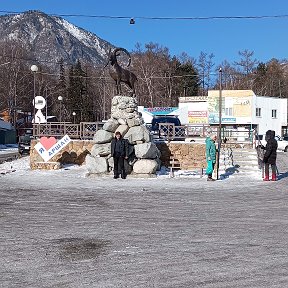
[[49, 147], [198, 117]]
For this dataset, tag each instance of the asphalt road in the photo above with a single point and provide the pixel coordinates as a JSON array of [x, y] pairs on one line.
[[101, 232]]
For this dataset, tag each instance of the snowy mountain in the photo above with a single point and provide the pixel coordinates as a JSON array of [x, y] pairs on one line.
[[50, 38]]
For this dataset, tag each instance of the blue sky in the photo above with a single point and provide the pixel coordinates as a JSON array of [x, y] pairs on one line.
[[268, 38]]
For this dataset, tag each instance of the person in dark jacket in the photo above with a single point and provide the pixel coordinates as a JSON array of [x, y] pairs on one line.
[[119, 152], [211, 154], [270, 155]]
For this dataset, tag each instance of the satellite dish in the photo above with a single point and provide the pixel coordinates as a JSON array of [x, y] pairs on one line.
[[40, 102]]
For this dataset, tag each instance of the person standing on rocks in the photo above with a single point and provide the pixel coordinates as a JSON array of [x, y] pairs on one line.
[[210, 155], [119, 152]]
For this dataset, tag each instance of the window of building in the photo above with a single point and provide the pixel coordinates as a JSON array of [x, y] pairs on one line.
[[258, 112], [229, 111], [274, 113]]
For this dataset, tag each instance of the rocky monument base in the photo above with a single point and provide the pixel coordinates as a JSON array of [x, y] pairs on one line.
[[144, 156]]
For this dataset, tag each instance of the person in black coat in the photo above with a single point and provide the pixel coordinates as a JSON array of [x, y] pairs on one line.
[[119, 152], [270, 155]]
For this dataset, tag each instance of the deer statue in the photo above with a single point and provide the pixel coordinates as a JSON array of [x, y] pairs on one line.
[[120, 74]]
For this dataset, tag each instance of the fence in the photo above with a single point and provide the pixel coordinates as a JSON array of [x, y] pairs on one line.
[[84, 130], [170, 132], [166, 131]]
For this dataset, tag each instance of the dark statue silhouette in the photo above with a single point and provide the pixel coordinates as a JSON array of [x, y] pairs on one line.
[[118, 73]]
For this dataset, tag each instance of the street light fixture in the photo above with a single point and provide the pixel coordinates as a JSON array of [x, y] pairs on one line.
[[60, 98], [74, 114], [34, 69]]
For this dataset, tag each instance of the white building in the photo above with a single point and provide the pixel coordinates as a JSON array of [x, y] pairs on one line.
[[241, 109], [269, 113], [193, 109]]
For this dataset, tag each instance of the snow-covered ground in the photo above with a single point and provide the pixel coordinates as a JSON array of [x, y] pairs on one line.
[[63, 229], [22, 166]]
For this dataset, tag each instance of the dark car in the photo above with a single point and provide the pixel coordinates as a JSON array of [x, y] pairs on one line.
[[24, 143], [285, 138], [165, 131]]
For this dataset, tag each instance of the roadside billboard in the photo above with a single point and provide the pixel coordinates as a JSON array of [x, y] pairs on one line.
[[236, 105]]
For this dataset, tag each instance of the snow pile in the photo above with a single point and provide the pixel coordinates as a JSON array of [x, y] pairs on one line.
[[18, 165]]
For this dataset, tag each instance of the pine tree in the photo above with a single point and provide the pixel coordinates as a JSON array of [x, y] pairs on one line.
[[79, 100]]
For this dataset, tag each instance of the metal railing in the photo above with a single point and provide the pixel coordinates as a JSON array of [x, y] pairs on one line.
[[83, 130], [170, 132], [166, 131]]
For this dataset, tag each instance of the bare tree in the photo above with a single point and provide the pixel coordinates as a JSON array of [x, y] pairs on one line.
[[205, 64], [246, 63]]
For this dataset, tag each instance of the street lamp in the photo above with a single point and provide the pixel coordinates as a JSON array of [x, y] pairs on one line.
[[60, 98], [74, 114], [34, 69], [220, 120]]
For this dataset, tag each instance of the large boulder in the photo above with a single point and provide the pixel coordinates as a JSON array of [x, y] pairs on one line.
[[147, 150], [136, 121], [137, 134], [122, 129], [122, 120], [96, 165], [123, 107], [103, 136], [145, 166], [101, 149], [111, 125]]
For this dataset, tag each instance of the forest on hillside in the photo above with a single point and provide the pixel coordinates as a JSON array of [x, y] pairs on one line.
[[162, 78]]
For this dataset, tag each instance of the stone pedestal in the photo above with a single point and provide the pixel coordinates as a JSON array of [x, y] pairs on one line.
[[126, 119]]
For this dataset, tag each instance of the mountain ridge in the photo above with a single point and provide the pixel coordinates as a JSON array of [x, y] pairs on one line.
[[52, 37]]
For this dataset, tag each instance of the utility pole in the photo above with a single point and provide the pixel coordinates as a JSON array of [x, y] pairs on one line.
[[220, 121]]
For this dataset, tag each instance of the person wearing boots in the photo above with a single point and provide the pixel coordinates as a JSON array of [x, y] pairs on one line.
[[270, 155], [119, 152], [210, 155]]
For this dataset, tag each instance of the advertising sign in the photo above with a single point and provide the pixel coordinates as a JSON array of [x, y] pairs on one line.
[[239, 102], [197, 117], [160, 110], [49, 147]]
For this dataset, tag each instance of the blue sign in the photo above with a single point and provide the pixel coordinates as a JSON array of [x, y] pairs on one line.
[[228, 120], [214, 119], [160, 110]]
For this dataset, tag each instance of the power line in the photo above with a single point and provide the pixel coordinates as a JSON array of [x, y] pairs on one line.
[[192, 18]]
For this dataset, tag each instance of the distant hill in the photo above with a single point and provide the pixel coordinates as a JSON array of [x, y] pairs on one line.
[[50, 38]]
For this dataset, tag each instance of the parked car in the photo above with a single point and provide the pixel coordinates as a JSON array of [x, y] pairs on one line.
[[179, 131], [24, 143], [282, 142]]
